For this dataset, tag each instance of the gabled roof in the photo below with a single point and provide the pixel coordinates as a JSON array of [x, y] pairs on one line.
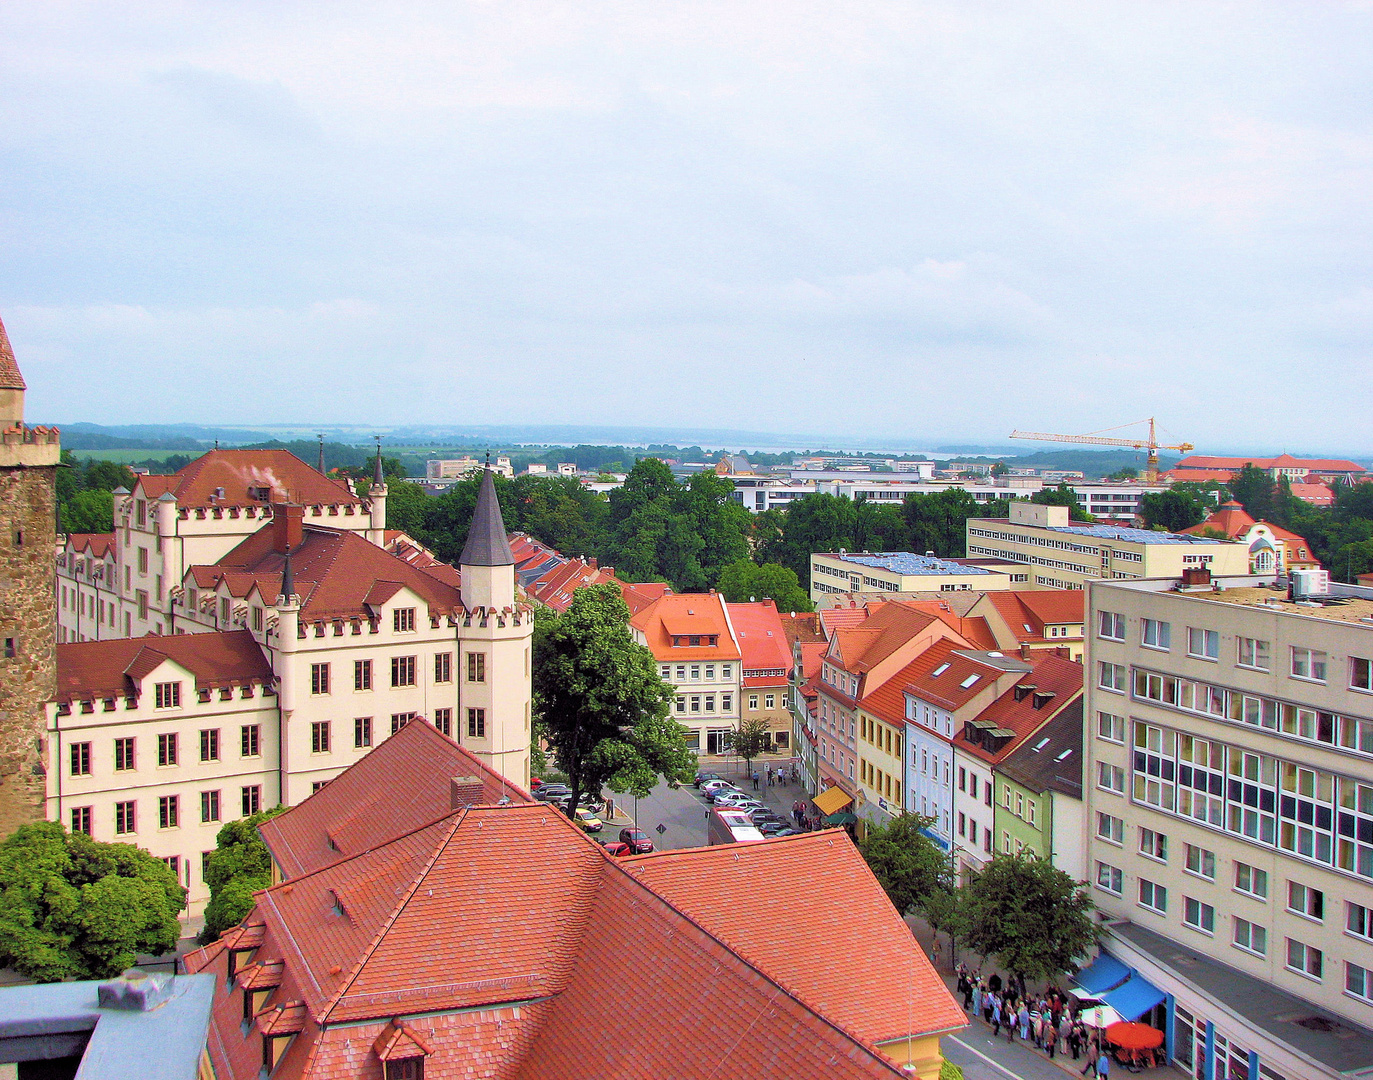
[[557, 585], [758, 628], [888, 628], [97, 544], [640, 594], [690, 614], [1051, 759], [955, 665], [10, 379], [486, 543], [1053, 684], [363, 807], [1229, 519], [238, 472], [336, 573], [87, 670]]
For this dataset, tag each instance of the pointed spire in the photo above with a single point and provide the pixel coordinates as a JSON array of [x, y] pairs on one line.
[[10, 379], [486, 542], [288, 581], [378, 480]]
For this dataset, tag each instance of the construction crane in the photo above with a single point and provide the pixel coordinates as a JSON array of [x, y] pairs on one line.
[[1151, 444]]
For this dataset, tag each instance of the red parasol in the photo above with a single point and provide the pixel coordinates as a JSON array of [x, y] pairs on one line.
[[1134, 1036]]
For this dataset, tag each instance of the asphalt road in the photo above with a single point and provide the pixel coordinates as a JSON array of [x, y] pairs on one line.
[[683, 812]]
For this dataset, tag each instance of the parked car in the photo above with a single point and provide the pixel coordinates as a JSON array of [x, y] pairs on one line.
[[589, 821], [702, 777], [711, 787], [777, 828], [549, 792], [616, 848], [730, 797], [763, 814], [637, 839]]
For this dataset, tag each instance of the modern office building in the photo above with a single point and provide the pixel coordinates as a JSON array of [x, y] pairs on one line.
[[903, 572], [1229, 818]]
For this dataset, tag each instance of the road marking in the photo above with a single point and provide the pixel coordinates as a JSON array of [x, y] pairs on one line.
[[994, 1064]]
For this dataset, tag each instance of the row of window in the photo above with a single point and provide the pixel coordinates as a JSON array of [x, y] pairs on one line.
[[968, 781], [168, 811], [879, 735], [696, 701], [666, 670], [879, 781], [168, 749], [967, 827], [402, 672]]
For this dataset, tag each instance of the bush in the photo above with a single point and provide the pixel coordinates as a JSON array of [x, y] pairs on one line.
[[949, 1071]]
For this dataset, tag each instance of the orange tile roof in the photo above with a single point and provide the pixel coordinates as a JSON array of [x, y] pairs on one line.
[[10, 379], [695, 614], [888, 628], [640, 594], [888, 701], [762, 640], [335, 573], [1283, 461], [1316, 494], [238, 471], [362, 807], [87, 670], [1051, 674]]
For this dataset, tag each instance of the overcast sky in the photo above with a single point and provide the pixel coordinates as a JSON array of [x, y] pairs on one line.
[[930, 220]]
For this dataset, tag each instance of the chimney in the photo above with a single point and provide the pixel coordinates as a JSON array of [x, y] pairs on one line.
[[1196, 576], [1063, 652], [288, 527], [591, 562], [465, 791]]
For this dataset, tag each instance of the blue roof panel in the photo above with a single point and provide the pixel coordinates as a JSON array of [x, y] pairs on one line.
[[907, 562]]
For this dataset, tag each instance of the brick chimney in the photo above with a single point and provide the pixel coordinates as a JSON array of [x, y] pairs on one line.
[[288, 527], [466, 791]]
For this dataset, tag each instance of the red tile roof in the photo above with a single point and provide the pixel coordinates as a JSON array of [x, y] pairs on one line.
[[10, 379], [802, 626], [87, 670], [762, 640], [888, 628], [691, 614], [98, 544], [337, 574], [362, 807], [1316, 494], [240, 471], [888, 701], [640, 594], [1051, 675], [1283, 461]]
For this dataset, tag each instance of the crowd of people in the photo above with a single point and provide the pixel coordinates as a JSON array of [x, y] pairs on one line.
[[1048, 1020]]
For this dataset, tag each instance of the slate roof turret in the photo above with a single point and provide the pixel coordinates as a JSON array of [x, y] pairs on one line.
[[486, 541]]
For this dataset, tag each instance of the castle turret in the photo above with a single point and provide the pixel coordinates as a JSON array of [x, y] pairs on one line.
[[376, 496], [28, 661], [487, 564]]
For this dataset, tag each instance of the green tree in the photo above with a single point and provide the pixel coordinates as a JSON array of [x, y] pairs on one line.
[[239, 866], [814, 523], [73, 908], [1032, 917], [1255, 491], [999, 468], [88, 512], [906, 862], [937, 522], [1062, 495], [1173, 510], [750, 739], [599, 703], [406, 507], [743, 581]]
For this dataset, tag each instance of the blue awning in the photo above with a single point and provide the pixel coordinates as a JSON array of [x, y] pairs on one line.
[[1135, 997], [1102, 974]]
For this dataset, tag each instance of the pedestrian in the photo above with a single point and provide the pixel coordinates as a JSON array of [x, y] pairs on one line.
[[1037, 1026], [1075, 1038], [994, 983], [767, 773], [996, 1015], [977, 999], [1024, 1022], [755, 779], [1050, 1037], [987, 996], [967, 994]]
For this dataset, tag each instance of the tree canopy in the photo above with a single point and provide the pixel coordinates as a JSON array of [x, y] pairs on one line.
[[743, 580], [751, 738], [239, 866], [906, 862], [1173, 510], [74, 908], [1063, 495], [599, 702]]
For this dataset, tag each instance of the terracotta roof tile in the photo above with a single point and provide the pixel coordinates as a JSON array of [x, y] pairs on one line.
[[1051, 675], [688, 614], [10, 379], [97, 544], [98, 669], [758, 627], [238, 472]]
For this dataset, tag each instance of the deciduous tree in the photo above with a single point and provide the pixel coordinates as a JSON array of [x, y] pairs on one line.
[[906, 862], [239, 866], [751, 738], [1173, 510], [745, 581]]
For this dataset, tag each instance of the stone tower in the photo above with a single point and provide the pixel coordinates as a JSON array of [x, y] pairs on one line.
[[494, 640], [28, 610]]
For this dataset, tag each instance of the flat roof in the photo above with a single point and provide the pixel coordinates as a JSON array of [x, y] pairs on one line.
[[906, 562], [1344, 603], [1133, 536], [1343, 1045]]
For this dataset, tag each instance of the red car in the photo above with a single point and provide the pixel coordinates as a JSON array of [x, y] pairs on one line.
[[617, 849], [637, 840]]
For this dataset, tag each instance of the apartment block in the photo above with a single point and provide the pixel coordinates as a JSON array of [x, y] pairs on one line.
[[1065, 555], [899, 572], [1229, 817]]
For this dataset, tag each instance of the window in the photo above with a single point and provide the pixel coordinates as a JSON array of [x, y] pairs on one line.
[[726, 702], [1030, 812], [1110, 878], [167, 695], [319, 737], [81, 819], [1111, 626], [403, 620], [476, 723], [753, 701], [443, 667], [257, 619], [169, 811], [726, 671], [770, 701], [402, 671], [1110, 727], [249, 740], [399, 720], [1360, 673], [710, 703], [1153, 845], [166, 749], [681, 703], [142, 560], [1303, 959], [1110, 828], [1153, 896], [1308, 664], [1306, 901], [1110, 777], [11, 649], [1252, 653], [1111, 677], [695, 702], [209, 744], [443, 721], [1251, 880], [710, 672], [1155, 634], [1198, 916], [362, 674], [1203, 644], [1250, 936], [81, 759], [1201, 862], [362, 732], [1358, 981], [319, 678], [252, 799], [411, 1068], [125, 818], [209, 806], [1358, 920], [123, 755]]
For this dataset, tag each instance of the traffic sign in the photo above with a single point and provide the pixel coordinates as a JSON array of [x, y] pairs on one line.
[[661, 828]]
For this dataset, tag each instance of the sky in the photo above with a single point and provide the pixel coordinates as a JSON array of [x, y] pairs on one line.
[[923, 220]]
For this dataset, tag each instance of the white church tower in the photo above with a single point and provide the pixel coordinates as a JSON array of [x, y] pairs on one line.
[[495, 641]]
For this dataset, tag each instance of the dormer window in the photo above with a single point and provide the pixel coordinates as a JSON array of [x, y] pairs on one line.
[[694, 639], [939, 670], [261, 494], [969, 681]]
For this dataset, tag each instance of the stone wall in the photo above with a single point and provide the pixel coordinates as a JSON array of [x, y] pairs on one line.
[[28, 617]]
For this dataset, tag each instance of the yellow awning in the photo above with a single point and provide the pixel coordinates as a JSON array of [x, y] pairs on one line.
[[832, 800]]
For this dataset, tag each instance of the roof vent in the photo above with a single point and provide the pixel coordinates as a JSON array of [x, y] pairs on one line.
[[135, 991]]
